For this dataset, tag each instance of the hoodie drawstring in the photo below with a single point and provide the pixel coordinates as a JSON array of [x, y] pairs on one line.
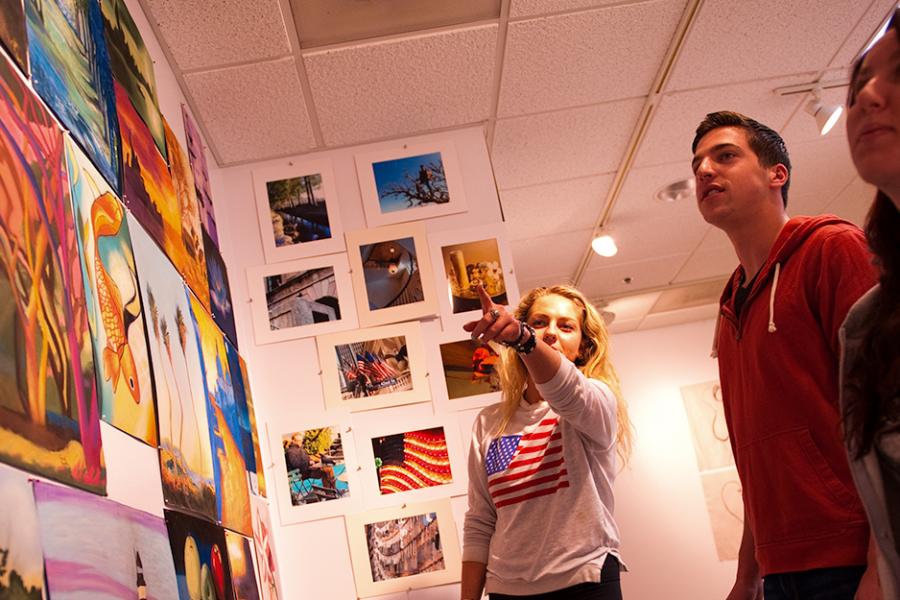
[[772, 328], [714, 353]]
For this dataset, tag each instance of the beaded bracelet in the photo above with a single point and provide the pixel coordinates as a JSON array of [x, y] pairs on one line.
[[526, 347]]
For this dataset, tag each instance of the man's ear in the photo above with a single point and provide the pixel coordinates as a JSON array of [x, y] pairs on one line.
[[778, 175]]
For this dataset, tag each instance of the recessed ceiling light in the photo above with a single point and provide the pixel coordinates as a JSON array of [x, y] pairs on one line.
[[604, 245], [679, 191]]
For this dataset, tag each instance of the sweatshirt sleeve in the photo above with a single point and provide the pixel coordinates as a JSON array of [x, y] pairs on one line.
[[587, 404], [846, 273], [478, 526]]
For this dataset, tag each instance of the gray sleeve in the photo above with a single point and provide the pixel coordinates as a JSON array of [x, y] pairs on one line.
[[586, 404], [478, 527]]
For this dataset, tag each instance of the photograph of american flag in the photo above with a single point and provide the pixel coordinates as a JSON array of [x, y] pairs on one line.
[[522, 467], [412, 460]]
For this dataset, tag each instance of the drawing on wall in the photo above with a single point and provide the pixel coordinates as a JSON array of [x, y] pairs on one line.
[[184, 449], [301, 298], [241, 418], [94, 547], [229, 467], [266, 562], [298, 210], [132, 66], [201, 557], [410, 182], [12, 32], [219, 289], [470, 368], [115, 312], [412, 460], [70, 71], [187, 238], [718, 475], [316, 470], [254, 433], [391, 272], [240, 560], [373, 368], [49, 422], [200, 172], [402, 548], [21, 558]]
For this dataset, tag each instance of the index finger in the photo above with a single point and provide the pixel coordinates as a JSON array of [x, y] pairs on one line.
[[486, 303]]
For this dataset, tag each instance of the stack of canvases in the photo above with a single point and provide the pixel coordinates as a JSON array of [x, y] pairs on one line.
[[105, 313]]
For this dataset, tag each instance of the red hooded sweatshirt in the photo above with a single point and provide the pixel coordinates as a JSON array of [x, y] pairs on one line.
[[778, 365]]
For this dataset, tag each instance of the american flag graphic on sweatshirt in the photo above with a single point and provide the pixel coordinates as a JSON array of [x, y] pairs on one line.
[[522, 467]]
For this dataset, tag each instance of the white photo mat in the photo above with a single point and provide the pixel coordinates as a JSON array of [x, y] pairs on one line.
[[453, 322], [427, 307], [291, 514], [366, 585], [440, 392], [259, 306], [369, 187], [331, 379], [290, 170], [366, 433]]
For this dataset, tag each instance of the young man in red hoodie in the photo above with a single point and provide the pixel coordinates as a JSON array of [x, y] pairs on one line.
[[805, 531]]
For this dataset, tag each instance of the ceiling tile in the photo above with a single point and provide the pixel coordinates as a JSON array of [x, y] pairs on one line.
[[530, 8], [585, 57], [708, 263], [877, 12], [632, 307], [715, 239], [676, 119], [526, 285], [641, 238], [624, 325], [644, 274], [539, 257], [554, 207], [403, 86], [741, 41], [854, 202], [562, 145], [637, 198], [201, 36], [252, 112], [676, 317], [819, 171]]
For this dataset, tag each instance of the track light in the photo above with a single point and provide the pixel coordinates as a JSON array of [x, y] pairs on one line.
[[604, 245], [826, 115]]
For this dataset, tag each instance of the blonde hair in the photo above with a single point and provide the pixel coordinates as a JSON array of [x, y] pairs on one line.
[[592, 360]]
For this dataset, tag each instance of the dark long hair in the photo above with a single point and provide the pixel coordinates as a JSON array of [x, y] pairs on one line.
[[875, 376]]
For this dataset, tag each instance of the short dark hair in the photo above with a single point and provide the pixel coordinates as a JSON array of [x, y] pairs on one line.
[[764, 141]]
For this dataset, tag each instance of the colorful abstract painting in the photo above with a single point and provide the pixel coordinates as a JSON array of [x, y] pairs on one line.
[[187, 252], [49, 422], [115, 311], [21, 560], [254, 432], [270, 588], [229, 468], [132, 66], [12, 32], [242, 410], [99, 549], [184, 452], [219, 289], [240, 559], [201, 558], [70, 71], [201, 175], [412, 460]]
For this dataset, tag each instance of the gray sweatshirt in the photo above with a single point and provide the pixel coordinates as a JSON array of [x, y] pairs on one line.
[[540, 495]]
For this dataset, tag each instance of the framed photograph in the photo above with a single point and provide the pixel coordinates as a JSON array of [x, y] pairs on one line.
[[316, 473], [410, 183], [301, 298], [467, 371], [374, 368], [298, 210], [399, 549], [391, 273], [464, 258], [422, 459]]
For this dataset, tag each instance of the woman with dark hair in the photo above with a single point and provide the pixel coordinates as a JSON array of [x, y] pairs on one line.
[[870, 363], [542, 462]]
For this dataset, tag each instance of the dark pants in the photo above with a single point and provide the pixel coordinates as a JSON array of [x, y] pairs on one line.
[[607, 589], [835, 583]]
